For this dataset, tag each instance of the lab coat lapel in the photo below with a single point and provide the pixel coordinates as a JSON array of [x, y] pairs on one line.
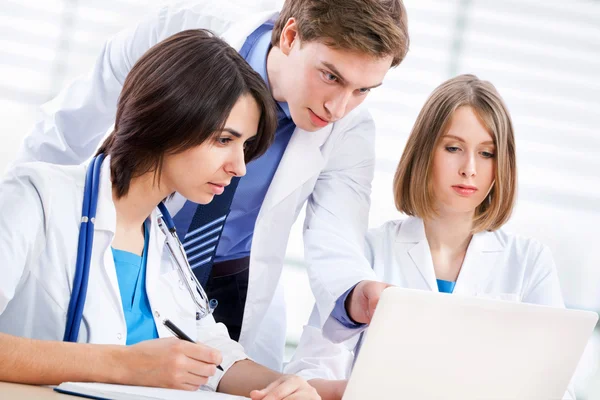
[[301, 161], [411, 240], [481, 258], [104, 231], [156, 247]]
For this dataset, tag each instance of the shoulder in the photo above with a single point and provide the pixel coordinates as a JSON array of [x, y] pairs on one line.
[[359, 118], [522, 250], [217, 16], [355, 134], [48, 181], [385, 233]]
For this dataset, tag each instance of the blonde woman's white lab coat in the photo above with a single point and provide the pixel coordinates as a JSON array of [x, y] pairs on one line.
[[497, 265], [329, 170], [39, 228]]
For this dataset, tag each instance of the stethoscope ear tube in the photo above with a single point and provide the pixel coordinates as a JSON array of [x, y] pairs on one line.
[[84, 250]]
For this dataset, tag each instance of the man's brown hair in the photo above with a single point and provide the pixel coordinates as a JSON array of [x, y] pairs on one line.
[[413, 193], [375, 27]]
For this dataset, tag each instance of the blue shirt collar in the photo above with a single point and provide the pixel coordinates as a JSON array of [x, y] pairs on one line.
[[258, 61]]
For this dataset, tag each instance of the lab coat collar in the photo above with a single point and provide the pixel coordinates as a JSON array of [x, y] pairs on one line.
[[106, 215], [105, 227], [411, 238], [482, 255], [480, 259]]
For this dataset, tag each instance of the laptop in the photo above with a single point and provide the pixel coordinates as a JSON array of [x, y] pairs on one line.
[[425, 345]]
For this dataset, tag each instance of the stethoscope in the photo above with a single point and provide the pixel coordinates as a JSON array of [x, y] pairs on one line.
[[204, 306]]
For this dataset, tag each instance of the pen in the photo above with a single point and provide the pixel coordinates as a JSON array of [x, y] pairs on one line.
[[181, 334]]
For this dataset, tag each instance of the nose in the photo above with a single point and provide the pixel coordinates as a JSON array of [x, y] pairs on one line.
[[237, 163], [468, 168], [337, 106]]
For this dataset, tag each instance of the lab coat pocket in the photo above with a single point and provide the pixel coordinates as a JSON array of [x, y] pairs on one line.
[[501, 296]]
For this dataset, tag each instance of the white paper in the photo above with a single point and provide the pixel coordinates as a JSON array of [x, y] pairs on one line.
[[124, 392]]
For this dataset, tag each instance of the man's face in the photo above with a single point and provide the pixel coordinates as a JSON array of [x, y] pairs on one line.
[[322, 84]]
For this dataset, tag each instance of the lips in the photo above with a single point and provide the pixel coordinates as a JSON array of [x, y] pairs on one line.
[[464, 190], [217, 188], [223, 184], [316, 120]]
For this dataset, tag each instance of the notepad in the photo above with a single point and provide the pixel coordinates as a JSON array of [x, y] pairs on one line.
[[105, 391]]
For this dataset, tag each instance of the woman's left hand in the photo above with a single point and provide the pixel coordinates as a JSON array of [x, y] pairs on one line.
[[288, 387]]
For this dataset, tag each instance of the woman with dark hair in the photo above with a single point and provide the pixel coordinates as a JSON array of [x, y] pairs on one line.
[[191, 114]]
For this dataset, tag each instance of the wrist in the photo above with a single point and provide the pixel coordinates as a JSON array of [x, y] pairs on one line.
[[329, 389], [117, 365]]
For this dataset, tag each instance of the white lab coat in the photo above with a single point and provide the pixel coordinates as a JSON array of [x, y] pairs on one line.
[[497, 265], [331, 170], [39, 227]]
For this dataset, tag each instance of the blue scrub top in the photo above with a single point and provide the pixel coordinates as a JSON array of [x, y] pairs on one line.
[[445, 286], [131, 275]]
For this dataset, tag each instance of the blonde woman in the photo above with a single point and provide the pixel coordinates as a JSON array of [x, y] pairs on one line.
[[456, 181]]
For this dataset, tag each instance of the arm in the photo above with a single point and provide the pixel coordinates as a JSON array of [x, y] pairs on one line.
[[316, 357], [326, 365], [24, 220], [169, 363], [41, 362], [70, 126], [245, 376], [543, 286], [336, 221], [22, 239]]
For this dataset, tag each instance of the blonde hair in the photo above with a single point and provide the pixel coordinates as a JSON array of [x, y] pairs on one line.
[[413, 192], [375, 27]]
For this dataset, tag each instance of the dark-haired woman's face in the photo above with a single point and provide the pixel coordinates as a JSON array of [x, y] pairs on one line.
[[202, 172]]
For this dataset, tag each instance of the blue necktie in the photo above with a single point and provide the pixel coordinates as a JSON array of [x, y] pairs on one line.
[[200, 226]]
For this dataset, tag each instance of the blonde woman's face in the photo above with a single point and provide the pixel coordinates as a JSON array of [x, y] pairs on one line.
[[463, 164]]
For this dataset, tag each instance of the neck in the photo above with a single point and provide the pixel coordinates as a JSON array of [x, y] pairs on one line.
[[275, 60], [449, 233], [139, 202]]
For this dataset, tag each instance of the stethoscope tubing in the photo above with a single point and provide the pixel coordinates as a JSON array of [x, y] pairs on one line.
[[84, 250]]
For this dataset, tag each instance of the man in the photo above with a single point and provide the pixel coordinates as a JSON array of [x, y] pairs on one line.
[[320, 58]]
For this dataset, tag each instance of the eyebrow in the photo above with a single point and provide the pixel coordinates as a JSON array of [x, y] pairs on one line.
[[232, 131], [463, 141], [341, 78]]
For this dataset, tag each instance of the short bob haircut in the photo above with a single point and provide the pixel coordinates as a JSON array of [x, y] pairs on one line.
[[178, 95], [413, 192]]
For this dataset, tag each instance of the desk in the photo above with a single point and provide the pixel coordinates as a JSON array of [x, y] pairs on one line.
[[11, 391]]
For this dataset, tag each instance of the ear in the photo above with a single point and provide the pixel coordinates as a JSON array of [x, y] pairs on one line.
[[289, 35]]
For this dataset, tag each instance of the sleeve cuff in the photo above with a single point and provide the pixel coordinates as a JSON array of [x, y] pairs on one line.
[[340, 314]]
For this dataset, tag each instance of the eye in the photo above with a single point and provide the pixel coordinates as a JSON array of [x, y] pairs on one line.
[[487, 154], [452, 149], [224, 140], [364, 91], [329, 77]]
